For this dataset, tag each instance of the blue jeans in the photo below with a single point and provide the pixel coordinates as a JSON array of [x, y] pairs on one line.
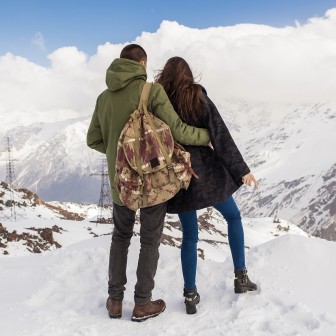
[[188, 219]]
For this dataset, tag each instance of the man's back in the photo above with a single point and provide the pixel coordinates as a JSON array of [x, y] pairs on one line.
[[125, 80]]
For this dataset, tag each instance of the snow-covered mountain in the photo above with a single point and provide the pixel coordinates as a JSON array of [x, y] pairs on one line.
[[295, 160], [62, 292], [289, 148], [54, 161]]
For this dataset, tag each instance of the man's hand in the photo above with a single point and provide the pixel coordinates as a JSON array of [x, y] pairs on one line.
[[248, 179]]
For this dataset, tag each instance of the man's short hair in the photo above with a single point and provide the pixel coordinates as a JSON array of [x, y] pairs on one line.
[[134, 52]]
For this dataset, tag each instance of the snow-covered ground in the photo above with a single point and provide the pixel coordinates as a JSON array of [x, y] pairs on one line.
[[63, 292]]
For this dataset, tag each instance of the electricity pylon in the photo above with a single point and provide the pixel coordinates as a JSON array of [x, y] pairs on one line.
[[10, 179], [105, 203]]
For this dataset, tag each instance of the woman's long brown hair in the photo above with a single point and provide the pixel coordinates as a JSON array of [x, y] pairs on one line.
[[185, 95]]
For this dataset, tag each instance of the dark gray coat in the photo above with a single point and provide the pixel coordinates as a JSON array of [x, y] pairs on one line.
[[220, 170]]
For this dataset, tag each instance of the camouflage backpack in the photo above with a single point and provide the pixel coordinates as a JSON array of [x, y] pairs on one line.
[[150, 167]]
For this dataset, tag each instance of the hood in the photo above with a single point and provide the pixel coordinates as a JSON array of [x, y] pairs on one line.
[[123, 71]]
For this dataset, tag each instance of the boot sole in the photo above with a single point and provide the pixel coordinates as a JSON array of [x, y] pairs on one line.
[[144, 318], [243, 291]]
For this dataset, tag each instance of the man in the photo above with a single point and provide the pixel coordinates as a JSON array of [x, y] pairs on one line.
[[125, 79]]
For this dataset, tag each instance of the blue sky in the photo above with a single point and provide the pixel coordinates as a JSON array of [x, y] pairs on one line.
[[34, 28]]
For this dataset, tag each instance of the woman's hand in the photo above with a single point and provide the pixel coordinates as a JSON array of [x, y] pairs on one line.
[[248, 179]]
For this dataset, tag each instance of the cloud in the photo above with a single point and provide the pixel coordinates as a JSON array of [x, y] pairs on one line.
[[248, 62], [255, 62], [39, 41]]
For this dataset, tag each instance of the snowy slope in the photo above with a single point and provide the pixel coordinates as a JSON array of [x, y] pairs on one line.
[[295, 161], [64, 287], [213, 236], [64, 293], [54, 161]]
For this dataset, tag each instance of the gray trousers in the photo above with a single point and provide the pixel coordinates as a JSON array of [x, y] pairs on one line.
[[151, 220]]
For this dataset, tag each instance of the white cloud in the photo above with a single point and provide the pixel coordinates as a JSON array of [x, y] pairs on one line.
[[248, 62], [39, 40]]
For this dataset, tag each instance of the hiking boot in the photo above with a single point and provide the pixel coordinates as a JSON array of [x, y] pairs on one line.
[[148, 310], [192, 298], [242, 283], [114, 308]]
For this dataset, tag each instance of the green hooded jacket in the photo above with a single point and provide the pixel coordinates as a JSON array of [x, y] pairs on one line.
[[125, 80]]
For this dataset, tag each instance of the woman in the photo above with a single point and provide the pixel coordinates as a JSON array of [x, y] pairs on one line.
[[221, 172]]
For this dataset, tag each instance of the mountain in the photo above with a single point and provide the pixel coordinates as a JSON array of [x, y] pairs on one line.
[[294, 159], [54, 161], [289, 149], [63, 291]]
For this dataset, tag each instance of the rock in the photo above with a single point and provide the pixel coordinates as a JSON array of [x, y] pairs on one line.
[[47, 235]]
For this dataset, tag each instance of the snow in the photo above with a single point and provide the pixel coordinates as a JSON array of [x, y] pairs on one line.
[[213, 242], [291, 148], [63, 292], [33, 214]]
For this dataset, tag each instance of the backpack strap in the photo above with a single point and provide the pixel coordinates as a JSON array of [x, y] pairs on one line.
[[143, 107], [143, 102]]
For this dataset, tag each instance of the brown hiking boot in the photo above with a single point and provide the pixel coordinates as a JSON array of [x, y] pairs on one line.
[[114, 308], [148, 310]]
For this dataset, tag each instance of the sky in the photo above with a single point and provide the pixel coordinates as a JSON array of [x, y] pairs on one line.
[[54, 54], [35, 28]]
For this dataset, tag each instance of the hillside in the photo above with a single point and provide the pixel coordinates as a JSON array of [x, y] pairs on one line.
[[43, 226], [64, 261], [64, 292]]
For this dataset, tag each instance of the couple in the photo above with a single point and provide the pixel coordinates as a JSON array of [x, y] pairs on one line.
[[194, 122]]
